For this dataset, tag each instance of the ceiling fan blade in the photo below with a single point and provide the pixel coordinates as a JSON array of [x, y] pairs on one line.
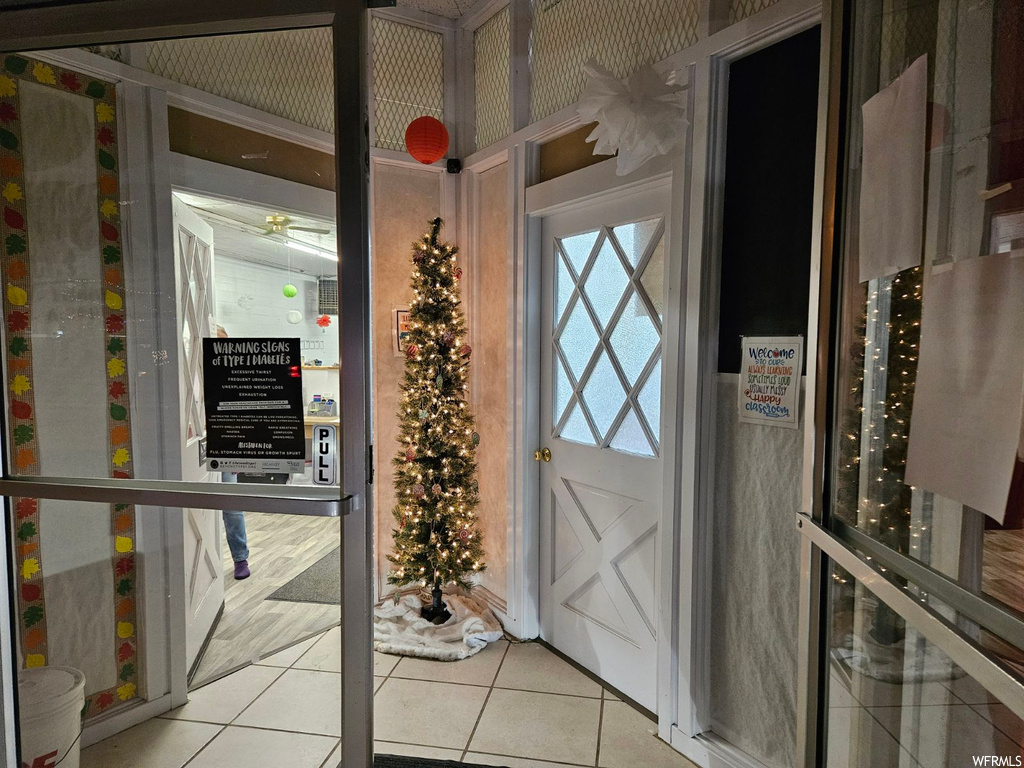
[[314, 230]]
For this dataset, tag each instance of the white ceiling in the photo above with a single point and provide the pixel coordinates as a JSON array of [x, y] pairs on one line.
[[238, 232], [450, 9]]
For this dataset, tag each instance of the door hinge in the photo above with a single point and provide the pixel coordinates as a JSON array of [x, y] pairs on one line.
[[369, 469]]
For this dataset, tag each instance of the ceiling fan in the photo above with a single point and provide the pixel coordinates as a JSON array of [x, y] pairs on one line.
[[278, 225]]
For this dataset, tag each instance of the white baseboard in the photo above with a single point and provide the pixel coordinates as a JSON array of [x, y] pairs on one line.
[[122, 721], [708, 750]]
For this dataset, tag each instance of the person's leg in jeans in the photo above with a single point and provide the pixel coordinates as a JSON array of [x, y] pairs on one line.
[[234, 530]]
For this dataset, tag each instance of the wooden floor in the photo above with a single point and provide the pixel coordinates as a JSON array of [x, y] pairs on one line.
[[1003, 568], [280, 548], [1003, 579]]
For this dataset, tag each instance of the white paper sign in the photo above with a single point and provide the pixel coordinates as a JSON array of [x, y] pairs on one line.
[[965, 428], [892, 175], [770, 380]]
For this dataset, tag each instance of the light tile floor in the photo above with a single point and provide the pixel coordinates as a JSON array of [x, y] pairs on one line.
[[513, 705]]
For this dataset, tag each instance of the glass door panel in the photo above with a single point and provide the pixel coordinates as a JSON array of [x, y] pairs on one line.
[[916, 495], [896, 699], [168, 208]]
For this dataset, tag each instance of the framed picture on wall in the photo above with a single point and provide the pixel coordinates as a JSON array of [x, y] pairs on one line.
[[400, 329]]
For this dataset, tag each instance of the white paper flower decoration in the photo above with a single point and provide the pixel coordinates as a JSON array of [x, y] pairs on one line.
[[640, 118]]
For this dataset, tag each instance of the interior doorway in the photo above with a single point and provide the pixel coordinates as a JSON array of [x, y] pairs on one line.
[[113, 299], [601, 472], [237, 261]]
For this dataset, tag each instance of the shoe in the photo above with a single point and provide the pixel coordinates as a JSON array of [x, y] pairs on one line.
[[242, 570]]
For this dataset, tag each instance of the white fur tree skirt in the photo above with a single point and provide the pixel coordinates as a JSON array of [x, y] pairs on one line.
[[399, 628]]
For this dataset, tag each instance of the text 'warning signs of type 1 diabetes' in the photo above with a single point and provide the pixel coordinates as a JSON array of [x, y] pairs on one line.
[[253, 397]]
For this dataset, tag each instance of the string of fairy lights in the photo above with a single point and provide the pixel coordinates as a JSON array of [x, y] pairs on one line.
[[870, 488], [437, 541]]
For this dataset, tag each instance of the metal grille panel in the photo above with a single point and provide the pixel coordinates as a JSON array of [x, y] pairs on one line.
[[408, 79], [328, 296], [289, 74], [742, 9], [491, 52], [623, 35], [112, 52]]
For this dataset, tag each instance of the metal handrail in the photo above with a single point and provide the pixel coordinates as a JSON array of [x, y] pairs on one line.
[[317, 501], [988, 670], [989, 614]]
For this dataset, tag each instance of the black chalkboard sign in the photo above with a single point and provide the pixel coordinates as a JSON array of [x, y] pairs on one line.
[[769, 194], [254, 411]]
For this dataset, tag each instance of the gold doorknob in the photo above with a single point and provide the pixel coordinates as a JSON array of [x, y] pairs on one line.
[[544, 454]]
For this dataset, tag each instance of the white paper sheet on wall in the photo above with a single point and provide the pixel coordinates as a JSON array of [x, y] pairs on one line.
[[70, 377], [965, 428], [892, 175]]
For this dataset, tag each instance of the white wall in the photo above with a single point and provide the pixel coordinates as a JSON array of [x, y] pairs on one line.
[[236, 279]]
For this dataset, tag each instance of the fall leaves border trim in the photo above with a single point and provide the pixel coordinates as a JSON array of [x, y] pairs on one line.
[[17, 295]]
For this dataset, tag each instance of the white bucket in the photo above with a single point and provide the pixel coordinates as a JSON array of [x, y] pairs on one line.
[[50, 701]]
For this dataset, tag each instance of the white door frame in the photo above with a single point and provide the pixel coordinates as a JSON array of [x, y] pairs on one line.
[[580, 192], [696, 172], [701, 281], [596, 184]]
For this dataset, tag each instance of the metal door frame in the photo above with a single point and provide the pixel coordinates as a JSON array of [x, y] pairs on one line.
[[124, 21], [826, 541]]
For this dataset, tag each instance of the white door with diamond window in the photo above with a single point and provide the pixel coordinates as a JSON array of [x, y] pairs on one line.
[[603, 309], [204, 572]]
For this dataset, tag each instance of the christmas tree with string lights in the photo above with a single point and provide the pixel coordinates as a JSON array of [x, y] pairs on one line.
[[437, 541]]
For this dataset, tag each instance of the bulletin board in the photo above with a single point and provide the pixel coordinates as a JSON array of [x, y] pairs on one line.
[[62, 259]]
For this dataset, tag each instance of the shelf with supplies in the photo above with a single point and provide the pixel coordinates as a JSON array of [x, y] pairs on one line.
[[321, 367]]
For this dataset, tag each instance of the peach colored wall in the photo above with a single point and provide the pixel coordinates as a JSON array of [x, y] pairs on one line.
[[490, 370], [404, 201]]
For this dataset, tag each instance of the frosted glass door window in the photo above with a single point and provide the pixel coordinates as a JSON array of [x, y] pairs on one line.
[[606, 339], [195, 267]]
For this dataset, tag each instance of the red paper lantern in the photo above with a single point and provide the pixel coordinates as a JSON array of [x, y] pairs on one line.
[[426, 139]]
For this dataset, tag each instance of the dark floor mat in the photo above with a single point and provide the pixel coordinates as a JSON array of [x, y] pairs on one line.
[[394, 761], [320, 583]]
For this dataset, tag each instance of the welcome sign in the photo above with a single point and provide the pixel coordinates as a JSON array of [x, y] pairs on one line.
[[770, 380]]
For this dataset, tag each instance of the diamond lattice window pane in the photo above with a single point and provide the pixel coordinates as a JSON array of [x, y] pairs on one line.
[[563, 390], [650, 400], [743, 9], [635, 237], [576, 428], [620, 34], [408, 79], [630, 437], [634, 338], [578, 339], [653, 278], [603, 394], [578, 248], [186, 340], [289, 73], [563, 287], [491, 53], [606, 283]]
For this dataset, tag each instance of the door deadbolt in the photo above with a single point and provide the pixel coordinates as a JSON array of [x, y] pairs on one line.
[[544, 454]]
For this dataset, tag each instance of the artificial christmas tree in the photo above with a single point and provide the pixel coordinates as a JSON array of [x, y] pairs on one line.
[[436, 539]]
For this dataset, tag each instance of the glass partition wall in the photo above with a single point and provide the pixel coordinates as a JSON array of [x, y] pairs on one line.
[[923, 485], [180, 562]]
